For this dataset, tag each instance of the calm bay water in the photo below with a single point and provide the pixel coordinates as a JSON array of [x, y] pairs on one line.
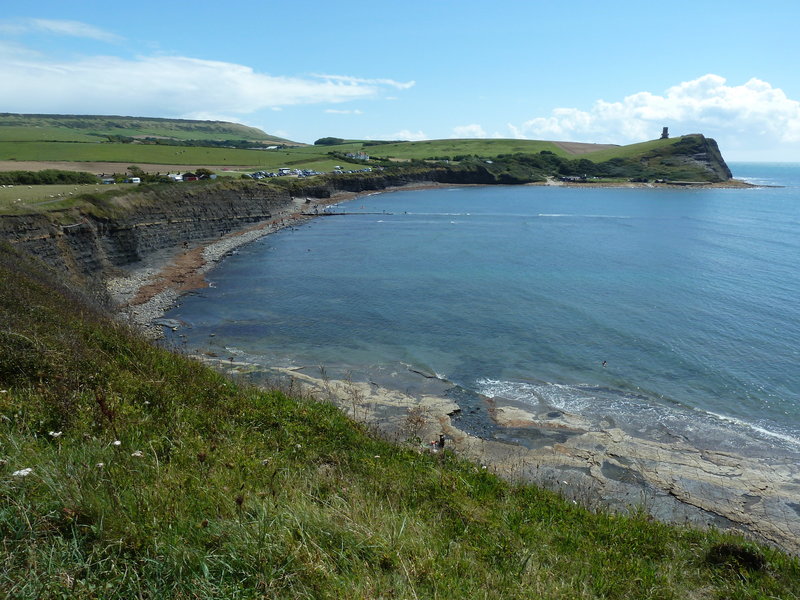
[[691, 296]]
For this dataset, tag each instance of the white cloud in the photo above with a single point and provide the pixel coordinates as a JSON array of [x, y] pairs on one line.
[[335, 111], [74, 29], [754, 110], [359, 81], [167, 86], [14, 51], [468, 131], [8, 28], [405, 135], [21, 27]]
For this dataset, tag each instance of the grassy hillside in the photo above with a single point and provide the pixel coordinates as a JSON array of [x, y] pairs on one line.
[[631, 150], [128, 471], [22, 127]]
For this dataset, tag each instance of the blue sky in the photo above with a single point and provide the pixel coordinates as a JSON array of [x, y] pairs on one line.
[[611, 72]]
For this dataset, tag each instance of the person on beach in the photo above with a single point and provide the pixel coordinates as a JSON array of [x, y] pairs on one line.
[[437, 445]]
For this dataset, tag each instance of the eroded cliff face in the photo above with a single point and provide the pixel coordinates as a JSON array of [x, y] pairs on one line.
[[89, 247], [704, 153]]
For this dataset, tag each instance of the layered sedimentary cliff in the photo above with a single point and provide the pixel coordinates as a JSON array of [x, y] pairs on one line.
[[94, 243]]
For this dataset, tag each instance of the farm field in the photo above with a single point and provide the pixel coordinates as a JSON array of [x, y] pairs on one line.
[[99, 168], [138, 153], [110, 158], [451, 148]]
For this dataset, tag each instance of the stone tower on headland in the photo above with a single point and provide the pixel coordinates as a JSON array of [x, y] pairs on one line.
[[665, 133]]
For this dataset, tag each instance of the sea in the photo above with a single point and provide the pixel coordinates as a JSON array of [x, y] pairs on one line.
[[655, 310]]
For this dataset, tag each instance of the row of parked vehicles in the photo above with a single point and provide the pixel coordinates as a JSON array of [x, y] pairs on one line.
[[287, 172]]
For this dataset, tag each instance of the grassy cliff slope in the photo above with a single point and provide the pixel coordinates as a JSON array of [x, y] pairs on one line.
[[129, 471]]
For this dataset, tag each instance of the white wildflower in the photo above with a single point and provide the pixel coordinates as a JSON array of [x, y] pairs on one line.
[[100, 465], [265, 462], [137, 454], [55, 434], [22, 472], [116, 443], [377, 456]]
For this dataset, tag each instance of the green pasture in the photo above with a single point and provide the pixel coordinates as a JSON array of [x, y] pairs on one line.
[[22, 199], [323, 150], [451, 148], [140, 154]]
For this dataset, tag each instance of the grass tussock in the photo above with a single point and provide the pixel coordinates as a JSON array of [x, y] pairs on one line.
[[129, 471]]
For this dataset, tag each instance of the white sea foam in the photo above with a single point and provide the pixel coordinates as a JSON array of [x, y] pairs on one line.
[[637, 413], [758, 181], [436, 214], [550, 395], [793, 440]]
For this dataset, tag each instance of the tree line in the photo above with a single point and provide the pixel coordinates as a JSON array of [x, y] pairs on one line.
[[46, 177]]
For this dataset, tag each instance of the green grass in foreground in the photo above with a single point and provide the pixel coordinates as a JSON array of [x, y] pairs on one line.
[[154, 477]]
